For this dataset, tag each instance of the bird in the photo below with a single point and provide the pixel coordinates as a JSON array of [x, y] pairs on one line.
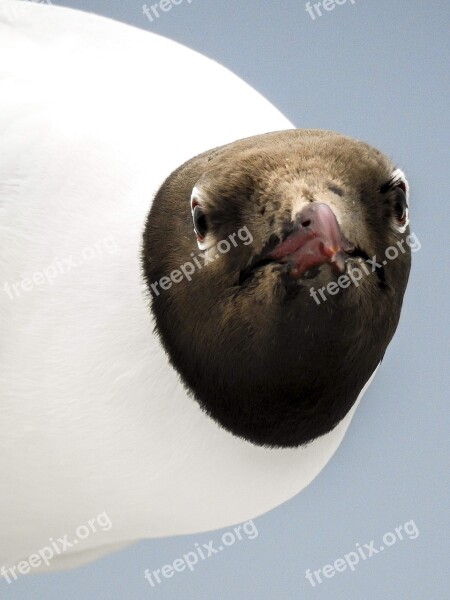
[[187, 317]]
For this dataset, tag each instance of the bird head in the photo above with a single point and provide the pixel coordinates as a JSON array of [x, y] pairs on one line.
[[276, 267]]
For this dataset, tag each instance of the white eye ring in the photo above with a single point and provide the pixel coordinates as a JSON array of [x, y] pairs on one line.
[[402, 228], [398, 179]]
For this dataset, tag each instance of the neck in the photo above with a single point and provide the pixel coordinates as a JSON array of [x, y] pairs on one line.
[[282, 384]]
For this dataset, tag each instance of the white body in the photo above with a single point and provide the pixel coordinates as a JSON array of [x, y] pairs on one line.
[[93, 116]]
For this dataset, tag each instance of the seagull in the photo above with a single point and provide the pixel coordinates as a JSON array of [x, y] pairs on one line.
[[184, 338]]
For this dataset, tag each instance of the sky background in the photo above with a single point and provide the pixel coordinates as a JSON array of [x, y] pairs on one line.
[[376, 70]]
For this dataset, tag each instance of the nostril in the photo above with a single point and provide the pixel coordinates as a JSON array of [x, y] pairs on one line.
[[306, 223]]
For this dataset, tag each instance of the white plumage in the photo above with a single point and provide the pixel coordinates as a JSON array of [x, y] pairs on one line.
[[93, 116]]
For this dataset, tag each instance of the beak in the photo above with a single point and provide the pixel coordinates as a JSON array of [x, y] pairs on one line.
[[317, 240]]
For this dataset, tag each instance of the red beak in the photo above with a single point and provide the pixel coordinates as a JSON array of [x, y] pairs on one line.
[[318, 240]]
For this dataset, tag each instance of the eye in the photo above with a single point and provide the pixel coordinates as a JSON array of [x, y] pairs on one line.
[[200, 222], [401, 207], [398, 187]]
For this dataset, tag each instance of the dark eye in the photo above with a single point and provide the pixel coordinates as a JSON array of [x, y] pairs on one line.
[[200, 222], [400, 206]]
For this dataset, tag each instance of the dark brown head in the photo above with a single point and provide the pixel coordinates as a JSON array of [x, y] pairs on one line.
[[271, 288]]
